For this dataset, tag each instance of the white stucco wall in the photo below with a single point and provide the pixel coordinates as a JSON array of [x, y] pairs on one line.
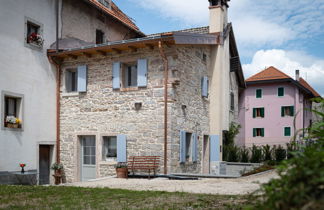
[[27, 71]]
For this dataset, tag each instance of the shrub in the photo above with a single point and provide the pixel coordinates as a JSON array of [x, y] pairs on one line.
[[233, 154], [291, 149], [256, 154], [228, 143], [267, 152], [244, 155], [300, 184], [280, 153]]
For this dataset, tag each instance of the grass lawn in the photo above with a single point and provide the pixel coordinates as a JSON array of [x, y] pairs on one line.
[[39, 197]]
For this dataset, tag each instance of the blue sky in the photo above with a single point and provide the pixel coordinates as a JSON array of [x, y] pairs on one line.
[[286, 34]]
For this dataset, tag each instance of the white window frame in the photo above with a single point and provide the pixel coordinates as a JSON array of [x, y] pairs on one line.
[[189, 150], [40, 31], [109, 159], [124, 74], [20, 109]]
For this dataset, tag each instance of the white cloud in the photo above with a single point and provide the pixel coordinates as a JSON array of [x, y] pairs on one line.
[[311, 69]]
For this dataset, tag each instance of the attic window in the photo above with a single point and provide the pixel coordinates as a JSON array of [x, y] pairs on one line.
[[106, 3], [99, 37]]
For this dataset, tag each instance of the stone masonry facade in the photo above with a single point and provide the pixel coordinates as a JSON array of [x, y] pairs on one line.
[[102, 111]]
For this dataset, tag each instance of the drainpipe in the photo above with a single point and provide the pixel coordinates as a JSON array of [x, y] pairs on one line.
[[166, 75], [57, 24], [58, 85]]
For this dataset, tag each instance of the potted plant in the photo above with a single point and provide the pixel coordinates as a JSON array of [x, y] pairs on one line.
[[22, 166], [57, 167], [12, 122], [35, 38], [121, 170]]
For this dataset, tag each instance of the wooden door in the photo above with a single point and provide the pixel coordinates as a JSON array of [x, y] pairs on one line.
[[44, 164]]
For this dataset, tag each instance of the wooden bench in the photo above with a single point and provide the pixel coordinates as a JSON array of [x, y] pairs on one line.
[[148, 163]]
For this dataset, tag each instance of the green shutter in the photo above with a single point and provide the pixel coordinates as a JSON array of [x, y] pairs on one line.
[[292, 110], [254, 112], [287, 131], [282, 111], [254, 132], [258, 93], [262, 112], [281, 91], [262, 132]]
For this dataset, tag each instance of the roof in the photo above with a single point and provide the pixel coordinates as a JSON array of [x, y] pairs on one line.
[[199, 30], [117, 14], [272, 74]]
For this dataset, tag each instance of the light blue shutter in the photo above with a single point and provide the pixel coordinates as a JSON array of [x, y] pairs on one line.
[[182, 146], [116, 72], [214, 148], [82, 78], [204, 86], [142, 73], [121, 148], [194, 147]]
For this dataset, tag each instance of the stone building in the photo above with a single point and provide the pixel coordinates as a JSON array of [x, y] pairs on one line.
[[171, 95], [28, 80]]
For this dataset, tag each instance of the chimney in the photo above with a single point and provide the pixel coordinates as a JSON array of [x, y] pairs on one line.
[[297, 75], [217, 15]]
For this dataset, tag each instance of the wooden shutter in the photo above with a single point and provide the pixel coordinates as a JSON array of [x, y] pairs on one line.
[[116, 75], [262, 132], [287, 131], [259, 93], [281, 91], [182, 147], [254, 132], [142, 73], [82, 78], [262, 112], [292, 110], [282, 111], [214, 148], [194, 147], [254, 112], [121, 148], [204, 86]]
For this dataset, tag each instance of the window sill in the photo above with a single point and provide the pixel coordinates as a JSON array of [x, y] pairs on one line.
[[13, 129], [108, 163], [33, 46], [72, 94], [129, 89]]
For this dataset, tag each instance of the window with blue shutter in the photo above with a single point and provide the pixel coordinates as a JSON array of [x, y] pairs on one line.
[[194, 147], [204, 86], [182, 146], [214, 148], [121, 148], [82, 78], [142, 72], [116, 75]]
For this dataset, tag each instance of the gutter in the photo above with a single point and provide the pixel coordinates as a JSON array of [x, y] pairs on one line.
[[166, 77], [58, 84]]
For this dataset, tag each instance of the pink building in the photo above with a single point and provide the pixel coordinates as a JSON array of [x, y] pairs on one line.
[[269, 105]]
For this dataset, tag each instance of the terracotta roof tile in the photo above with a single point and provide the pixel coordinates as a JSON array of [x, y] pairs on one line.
[[117, 13], [270, 73], [307, 86]]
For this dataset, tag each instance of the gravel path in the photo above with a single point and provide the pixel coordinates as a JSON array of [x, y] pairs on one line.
[[237, 186]]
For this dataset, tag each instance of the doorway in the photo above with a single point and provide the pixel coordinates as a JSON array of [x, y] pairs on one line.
[[206, 155], [88, 157], [44, 164]]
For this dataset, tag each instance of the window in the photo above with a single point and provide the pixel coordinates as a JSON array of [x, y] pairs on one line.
[[71, 80], [129, 75], [204, 57], [188, 146], [281, 92], [99, 37], [258, 112], [258, 132], [287, 111], [232, 102], [287, 131], [33, 34], [259, 93], [109, 149], [106, 3], [205, 86], [11, 110]]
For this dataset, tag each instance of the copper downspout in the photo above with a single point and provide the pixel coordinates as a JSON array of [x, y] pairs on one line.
[[166, 78], [58, 85]]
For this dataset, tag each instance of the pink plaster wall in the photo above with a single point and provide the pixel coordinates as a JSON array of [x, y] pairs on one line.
[[272, 122]]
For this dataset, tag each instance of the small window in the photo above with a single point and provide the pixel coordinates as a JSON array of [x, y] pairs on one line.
[[71, 80], [287, 111], [259, 93], [99, 37], [287, 131], [204, 57], [129, 75], [106, 3], [109, 149], [281, 92], [12, 112], [258, 132], [258, 112], [232, 102], [188, 146], [33, 33]]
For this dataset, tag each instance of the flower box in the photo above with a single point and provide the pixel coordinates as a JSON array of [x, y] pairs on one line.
[[12, 125]]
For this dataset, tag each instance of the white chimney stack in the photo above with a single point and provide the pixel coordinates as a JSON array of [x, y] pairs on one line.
[[297, 75], [217, 15]]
